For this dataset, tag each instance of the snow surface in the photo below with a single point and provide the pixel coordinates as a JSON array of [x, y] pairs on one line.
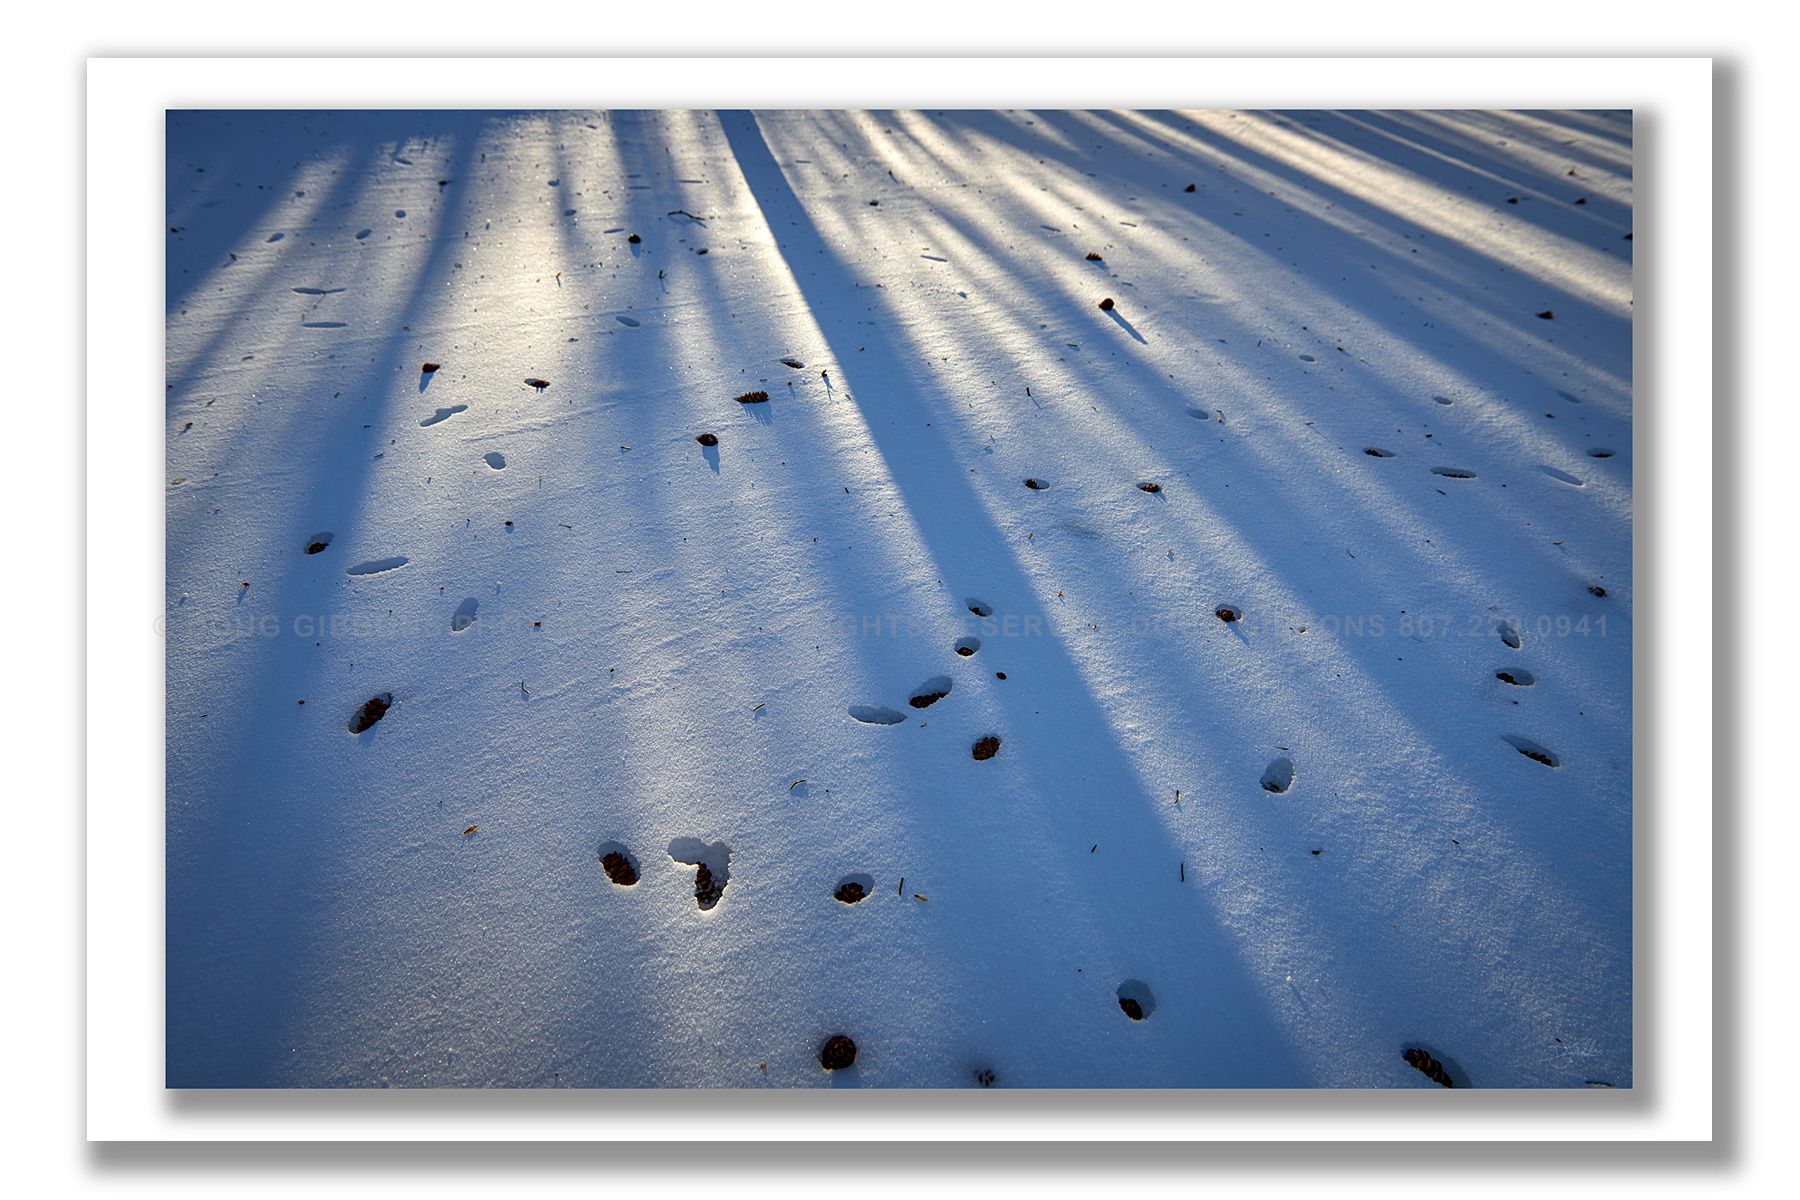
[[599, 635]]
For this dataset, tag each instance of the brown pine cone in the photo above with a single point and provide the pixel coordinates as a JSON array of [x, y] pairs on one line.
[[837, 1053]]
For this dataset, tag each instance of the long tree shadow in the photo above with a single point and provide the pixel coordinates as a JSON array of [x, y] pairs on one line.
[[1303, 511], [708, 349], [237, 857], [1134, 376], [951, 521], [1069, 763], [1463, 261], [1439, 146], [1375, 663]]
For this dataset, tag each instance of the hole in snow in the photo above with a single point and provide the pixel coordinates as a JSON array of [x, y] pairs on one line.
[[852, 888], [371, 711], [442, 414], [1427, 1064], [711, 860], [837, 1054], [930, 692], [1136, 1000], [376, 566], [1535, 751]]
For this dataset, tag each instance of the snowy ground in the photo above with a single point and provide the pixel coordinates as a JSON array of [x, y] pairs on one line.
[[669, 641]]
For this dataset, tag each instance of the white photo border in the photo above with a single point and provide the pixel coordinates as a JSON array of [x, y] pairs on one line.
[[1673, 537]]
